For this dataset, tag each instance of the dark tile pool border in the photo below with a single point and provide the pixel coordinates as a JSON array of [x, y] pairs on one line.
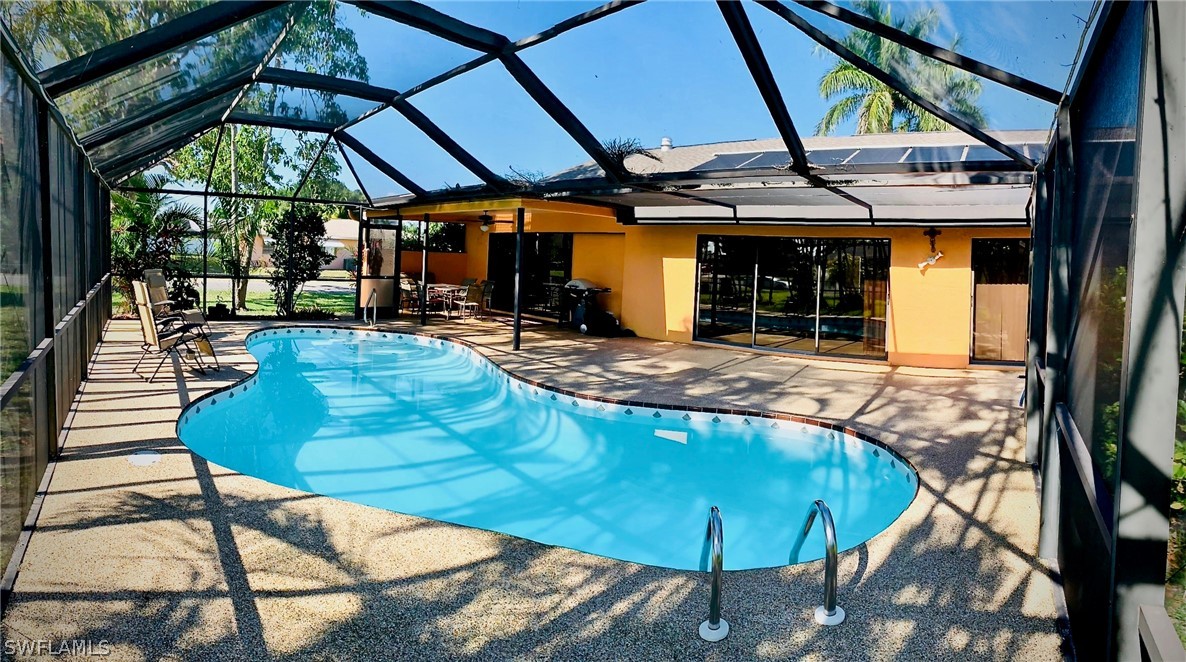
[[475, 347]]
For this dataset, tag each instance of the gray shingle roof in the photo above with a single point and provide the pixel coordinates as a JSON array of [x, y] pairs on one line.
[[685, 158]]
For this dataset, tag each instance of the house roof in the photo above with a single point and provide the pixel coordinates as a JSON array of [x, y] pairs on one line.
[[342, 229], [893, 178], [684, 158]]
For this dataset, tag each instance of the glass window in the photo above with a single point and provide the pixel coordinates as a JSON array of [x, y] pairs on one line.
[[547, 266], [442, 237], [853, 294], [790, 272], [380, 256]]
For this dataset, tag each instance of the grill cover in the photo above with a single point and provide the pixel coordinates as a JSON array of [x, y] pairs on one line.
[[580, 284]]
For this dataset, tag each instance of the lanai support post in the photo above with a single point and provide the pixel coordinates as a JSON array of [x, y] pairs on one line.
[[359, 254], [519, 221], [424, 271], [399, 264], [205, 250]]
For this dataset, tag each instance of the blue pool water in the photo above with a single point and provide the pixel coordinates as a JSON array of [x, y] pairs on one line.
[[429, 428]]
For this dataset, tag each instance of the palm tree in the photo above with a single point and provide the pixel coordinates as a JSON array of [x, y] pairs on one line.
[[877, 107], [148, 231]]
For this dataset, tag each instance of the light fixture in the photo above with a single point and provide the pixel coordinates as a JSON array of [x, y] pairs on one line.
[[935, 254], [485, 218]]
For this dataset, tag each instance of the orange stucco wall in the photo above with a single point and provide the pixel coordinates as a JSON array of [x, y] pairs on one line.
[[444, 267], [652, 271], [931, 309], [660, 272], [600, 258]]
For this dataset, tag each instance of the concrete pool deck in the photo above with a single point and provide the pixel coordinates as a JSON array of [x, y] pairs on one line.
[[183, 559]]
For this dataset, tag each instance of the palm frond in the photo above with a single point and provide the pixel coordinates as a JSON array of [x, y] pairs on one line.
[[844, 79], [840, 112]]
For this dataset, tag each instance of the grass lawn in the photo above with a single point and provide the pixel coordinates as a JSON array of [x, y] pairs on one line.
[[261, 304], [14, 329]]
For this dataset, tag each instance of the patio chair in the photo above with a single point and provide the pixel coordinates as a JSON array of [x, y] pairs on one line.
[[164, 311], [163, 340], [409, 293], [466, 282], [487, 294], [471, 302]]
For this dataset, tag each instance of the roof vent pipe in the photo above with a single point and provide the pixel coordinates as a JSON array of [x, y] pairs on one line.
[[665, 144]]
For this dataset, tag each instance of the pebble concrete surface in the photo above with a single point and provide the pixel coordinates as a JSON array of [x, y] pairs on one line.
[[181, 559]]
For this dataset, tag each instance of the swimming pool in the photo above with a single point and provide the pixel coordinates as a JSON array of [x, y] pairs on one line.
[[429, 427]]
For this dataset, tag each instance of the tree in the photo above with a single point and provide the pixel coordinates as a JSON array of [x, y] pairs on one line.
[[258, 160], [878, 108], [147, 231], [297, 255], [51, 32], [246, 162]]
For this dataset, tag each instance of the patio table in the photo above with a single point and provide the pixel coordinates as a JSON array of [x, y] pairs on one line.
[[447, 292]]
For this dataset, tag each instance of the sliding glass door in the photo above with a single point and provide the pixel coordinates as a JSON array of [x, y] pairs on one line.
[[853, 298], [823, 296], [726, 268], [788, 305], [547, 267]]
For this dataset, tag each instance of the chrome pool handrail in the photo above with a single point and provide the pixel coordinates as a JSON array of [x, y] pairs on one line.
[[371, 302], [829, 613], [715, 628]]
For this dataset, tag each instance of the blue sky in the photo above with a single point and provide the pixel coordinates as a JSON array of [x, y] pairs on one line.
[[662, 68]]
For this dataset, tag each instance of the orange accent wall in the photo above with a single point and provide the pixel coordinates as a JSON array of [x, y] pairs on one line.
[[477, 252], [600, 258], [659, 272], [445, 267]]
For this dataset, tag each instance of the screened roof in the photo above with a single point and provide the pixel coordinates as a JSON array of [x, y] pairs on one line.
[[388, 103]]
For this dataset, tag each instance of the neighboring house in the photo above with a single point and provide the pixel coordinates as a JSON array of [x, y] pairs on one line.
[[341, 241]]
